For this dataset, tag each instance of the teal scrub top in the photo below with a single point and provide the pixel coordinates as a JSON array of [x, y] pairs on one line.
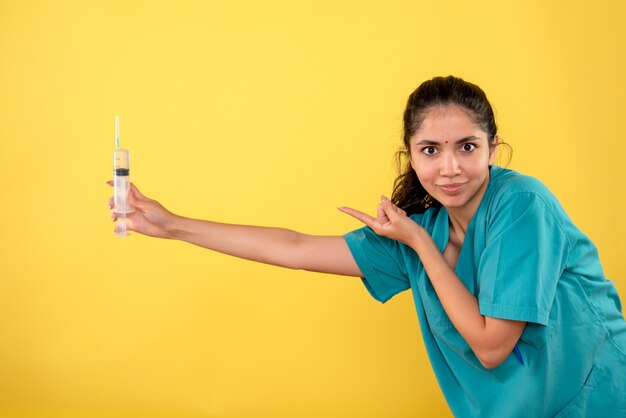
[[524, 260]]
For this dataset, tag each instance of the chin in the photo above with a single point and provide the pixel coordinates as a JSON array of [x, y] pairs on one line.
[[452, 201]]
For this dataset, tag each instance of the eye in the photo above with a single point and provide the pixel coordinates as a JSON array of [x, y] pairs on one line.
[[429, 150], [468, 147]]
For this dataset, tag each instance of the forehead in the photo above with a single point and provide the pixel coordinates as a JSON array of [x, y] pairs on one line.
[[448, 122]]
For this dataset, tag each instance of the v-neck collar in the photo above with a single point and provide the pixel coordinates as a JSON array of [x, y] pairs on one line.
[[441, 232]]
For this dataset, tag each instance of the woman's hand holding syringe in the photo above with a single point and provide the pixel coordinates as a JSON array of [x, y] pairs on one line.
[[149, 216]]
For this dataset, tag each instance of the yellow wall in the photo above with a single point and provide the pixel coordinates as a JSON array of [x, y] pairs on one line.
[[272, 113]]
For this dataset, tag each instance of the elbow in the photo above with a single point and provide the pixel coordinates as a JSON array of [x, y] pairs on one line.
[[498, 342], [489, 363], [490, 359]]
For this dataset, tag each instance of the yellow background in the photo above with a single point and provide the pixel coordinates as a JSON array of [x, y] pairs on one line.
[[270, 113]]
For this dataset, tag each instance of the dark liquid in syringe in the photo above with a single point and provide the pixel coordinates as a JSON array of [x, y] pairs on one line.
[[121, 171]]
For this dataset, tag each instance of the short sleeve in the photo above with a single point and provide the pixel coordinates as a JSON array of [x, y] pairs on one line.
[[381, 261], [525, 254]]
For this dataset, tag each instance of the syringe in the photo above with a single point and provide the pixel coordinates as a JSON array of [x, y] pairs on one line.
[[121, 183]]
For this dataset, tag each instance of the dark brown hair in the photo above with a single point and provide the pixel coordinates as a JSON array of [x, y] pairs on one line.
[[408, 192]]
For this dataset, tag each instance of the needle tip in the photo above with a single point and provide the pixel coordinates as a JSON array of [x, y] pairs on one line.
[[117, 131]]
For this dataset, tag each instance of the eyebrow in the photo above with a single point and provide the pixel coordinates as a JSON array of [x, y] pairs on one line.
[[458, 141]]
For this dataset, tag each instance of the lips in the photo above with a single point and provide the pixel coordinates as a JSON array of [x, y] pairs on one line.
[[451, 188]]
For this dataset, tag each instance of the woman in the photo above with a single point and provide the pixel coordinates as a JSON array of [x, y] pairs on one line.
[[515, 312]]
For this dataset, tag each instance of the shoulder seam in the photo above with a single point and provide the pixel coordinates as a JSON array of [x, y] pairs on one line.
[[556, 218]]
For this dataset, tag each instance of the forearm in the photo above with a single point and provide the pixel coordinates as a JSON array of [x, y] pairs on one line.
[[263, 244], [276, 246], [460, 305], [491, 339]]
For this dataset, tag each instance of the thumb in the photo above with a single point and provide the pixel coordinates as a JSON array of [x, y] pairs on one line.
[[136, 199], [138, 194], [390, 209]]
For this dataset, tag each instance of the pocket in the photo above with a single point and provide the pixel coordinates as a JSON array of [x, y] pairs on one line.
[[577, 406], [440, 325], [603, 394], [537, 335], [444, 330]]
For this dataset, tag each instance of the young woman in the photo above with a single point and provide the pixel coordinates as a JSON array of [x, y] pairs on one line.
[[516, 314]]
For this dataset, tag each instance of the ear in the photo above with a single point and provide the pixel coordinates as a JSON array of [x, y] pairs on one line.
[[410, 155], [493, 149]]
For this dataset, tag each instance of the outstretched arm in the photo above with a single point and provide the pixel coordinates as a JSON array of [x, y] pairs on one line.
[[491, 339], [277, 246]]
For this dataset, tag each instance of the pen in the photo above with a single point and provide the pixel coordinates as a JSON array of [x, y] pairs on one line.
[[518, 354]]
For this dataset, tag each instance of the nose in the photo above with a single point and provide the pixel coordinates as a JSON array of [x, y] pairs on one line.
[[449, 165]]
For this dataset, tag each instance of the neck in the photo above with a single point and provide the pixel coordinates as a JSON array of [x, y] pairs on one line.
[[460, 220], [458, 228]]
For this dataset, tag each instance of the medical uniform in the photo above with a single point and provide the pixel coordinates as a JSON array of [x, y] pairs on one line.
[[524, 260]]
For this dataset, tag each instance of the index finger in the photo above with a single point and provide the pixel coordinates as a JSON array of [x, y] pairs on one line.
[[363, 217]]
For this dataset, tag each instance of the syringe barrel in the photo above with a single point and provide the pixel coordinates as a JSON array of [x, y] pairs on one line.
[[121, 160], [121, 181]]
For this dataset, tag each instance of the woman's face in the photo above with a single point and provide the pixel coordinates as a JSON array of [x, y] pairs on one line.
[[451, 156]]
